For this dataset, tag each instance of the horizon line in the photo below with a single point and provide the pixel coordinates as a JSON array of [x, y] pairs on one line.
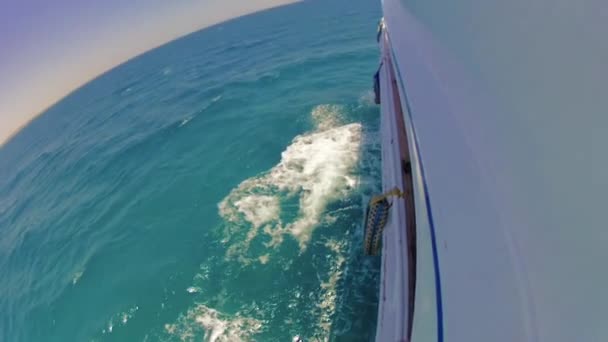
[[21, 127]]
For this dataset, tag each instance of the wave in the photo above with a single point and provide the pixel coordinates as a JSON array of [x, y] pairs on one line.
[[119, 319], [315, 169], [189, 118]]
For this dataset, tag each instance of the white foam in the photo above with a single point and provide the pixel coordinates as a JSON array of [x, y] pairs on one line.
[[276, 235], [317, 168], [193, 289], [367, 99], [217, 327], [264, 259], [254, 209], [76, 277], [258, 209], [327, 116], [120, 319], [329, 294], [185, 121]]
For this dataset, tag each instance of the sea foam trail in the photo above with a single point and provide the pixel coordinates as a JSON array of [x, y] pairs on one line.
[[329, 293], [316, 168], [216, 326]]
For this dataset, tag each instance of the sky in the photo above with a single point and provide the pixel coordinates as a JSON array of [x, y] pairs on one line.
[[50, 48]]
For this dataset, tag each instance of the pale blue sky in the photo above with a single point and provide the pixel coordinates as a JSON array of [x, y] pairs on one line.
[[49, 48]]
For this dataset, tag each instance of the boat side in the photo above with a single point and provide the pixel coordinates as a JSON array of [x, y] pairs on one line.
[[470, 285]]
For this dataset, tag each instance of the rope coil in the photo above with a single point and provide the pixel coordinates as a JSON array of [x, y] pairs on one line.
[[375, 219]]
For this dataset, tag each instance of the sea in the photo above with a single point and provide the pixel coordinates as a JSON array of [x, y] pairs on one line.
[[211, 189]]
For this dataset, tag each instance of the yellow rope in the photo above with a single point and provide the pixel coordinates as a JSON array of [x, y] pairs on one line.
[[393, 192]]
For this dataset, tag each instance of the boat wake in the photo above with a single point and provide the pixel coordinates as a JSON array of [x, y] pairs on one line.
[[315, 185], [316, 169], [213, 325]]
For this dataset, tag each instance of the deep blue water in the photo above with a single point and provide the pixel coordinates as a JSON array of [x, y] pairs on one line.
[[211, 189]]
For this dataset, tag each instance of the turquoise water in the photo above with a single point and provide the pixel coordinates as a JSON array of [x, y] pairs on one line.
[[211, 189]]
